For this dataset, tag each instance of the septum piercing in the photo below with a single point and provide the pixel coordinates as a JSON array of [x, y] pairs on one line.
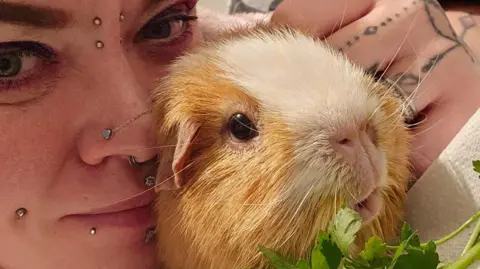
[[21, 212], [107, 134]]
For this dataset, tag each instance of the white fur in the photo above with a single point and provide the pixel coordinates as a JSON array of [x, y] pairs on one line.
[[327, 93]]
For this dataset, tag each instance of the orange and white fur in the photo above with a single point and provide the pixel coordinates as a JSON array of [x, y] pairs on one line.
[[326, 131]]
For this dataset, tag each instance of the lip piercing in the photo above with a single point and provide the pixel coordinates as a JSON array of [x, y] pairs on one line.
[[150, 234], [21, 212], [93, 231], [100, 44], [149, 181], [97, 21]]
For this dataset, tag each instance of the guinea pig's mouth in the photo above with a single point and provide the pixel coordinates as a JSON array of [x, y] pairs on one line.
[[369, 208]]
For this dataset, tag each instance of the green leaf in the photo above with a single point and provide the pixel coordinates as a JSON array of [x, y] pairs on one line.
[[277, 260], [476, 166], [302, 264], [406, 233], [374, 248], [332, 252], [319, 261], [426, 258], [344, 227]]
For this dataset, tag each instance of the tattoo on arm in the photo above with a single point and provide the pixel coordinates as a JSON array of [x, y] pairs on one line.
[[433, 10]]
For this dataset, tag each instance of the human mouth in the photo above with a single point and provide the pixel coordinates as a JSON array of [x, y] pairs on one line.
[[130, 213], [369, 207]]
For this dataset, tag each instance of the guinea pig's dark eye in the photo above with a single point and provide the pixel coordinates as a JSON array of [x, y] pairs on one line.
[[242, 128]]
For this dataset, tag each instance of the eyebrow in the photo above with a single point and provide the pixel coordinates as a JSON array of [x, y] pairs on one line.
[[28, 15]]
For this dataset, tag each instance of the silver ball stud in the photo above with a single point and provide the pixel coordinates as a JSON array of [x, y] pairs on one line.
[[21, 212], [100, 44], [122, 17], [93, 231], [149, 181], [107, 134], [97, 21]]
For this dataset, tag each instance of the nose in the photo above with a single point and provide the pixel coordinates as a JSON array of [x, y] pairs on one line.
[[352, 143], [121, 124]]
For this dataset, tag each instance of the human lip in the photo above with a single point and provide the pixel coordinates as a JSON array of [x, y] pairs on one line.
[[131, 212]]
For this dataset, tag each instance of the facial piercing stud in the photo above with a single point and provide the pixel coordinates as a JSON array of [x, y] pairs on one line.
[[93, 231], [107, 134], [150, 235], [122, 17], [100, 44], [21, 212], [97, 21], [149, 181]]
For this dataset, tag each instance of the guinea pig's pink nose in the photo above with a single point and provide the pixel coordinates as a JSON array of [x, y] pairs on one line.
[[353, 144]]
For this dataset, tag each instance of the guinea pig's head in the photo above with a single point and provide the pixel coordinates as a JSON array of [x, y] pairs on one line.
[[272, 131]]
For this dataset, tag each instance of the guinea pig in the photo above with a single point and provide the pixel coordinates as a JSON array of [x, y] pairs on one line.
[[266, 132]]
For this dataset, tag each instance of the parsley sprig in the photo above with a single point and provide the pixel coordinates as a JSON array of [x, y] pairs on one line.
[[331, 248]]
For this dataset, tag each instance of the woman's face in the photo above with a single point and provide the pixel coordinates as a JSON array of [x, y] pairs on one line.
[[58, 92]]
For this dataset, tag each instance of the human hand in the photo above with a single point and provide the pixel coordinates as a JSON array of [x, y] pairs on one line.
[[412, 43]]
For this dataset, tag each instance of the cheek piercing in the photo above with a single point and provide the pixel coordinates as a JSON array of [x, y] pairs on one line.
[[93, 231], [21, 212], [150, 234], [149, 181]]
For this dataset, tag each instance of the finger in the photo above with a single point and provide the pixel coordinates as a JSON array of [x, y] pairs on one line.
[[394, 29], [408, 41], [320, 17]]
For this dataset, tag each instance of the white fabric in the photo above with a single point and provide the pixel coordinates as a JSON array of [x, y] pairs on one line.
[[448, 193]]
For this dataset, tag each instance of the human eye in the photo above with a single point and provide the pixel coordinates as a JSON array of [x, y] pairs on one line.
[[170, 27], [22, 62]]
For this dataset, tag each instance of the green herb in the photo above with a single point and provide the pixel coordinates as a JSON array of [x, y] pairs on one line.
[[331, 248]]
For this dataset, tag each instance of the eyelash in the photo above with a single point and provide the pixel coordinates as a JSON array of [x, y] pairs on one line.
[[45, 56], [25, 50]]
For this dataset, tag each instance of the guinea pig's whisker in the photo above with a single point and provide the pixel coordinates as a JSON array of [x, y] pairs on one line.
[[149, 189], [296, 212]]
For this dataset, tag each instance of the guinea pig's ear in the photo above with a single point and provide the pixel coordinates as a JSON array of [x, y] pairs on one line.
[[185, 136]]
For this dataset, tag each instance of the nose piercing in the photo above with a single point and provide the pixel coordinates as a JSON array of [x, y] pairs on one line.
[[21, 212], [132, 161], [108, 133], [149, 181]]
